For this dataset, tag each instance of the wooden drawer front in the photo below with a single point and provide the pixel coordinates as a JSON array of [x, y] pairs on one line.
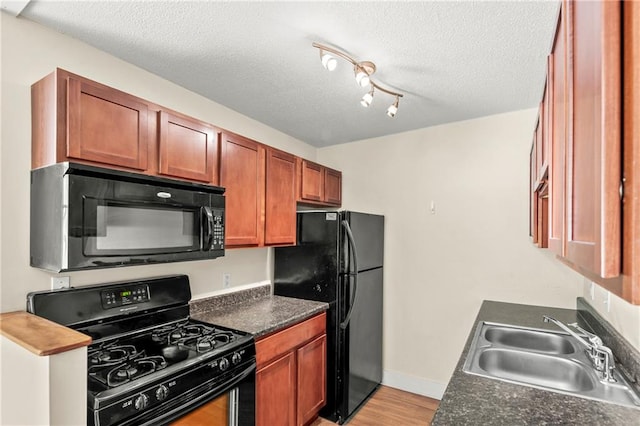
[[287, 340]]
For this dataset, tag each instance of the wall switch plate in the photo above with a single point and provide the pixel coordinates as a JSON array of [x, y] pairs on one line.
[[432, 207], [607, 301], [59, 282], [226, 280]]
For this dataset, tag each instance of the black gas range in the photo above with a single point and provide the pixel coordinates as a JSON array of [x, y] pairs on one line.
[[149, 363]]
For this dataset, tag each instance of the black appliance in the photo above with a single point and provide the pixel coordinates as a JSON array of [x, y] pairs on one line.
[[149, 363], [339, 260], [89, 217]]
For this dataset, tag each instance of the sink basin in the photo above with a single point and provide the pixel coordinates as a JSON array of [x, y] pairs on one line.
[[530, 339], [548, 360], [536, 369]]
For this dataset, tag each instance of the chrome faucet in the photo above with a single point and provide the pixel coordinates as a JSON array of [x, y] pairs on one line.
[[601, 355]]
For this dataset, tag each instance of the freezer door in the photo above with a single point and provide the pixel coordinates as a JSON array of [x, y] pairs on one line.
[[368, 232], [363, 338]]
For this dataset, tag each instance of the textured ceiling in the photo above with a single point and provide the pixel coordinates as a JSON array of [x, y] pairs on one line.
[[452, 60]]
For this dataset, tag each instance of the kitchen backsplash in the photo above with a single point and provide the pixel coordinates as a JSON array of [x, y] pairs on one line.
[[623, 316]]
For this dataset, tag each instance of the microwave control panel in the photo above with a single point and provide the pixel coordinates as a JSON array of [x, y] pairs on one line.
[[218, 230], [121, 296]]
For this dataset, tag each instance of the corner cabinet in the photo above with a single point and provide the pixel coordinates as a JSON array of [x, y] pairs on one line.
[[291, 374], [77, 119], [319, 185], [593, 86]]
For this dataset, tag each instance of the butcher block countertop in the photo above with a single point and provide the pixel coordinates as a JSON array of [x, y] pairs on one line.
[[40, 336], [254, 311]]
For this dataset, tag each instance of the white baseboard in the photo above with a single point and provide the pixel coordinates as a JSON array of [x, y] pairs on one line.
[[413, 384]]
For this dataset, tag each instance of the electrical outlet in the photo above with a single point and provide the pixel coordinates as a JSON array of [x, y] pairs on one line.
[[59, 282], [226, 280]]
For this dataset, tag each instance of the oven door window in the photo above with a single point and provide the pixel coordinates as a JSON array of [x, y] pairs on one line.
[[219, 412], [111, 228]]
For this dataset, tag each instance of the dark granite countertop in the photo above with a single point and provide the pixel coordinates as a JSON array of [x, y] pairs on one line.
[[476, 400], [256, 311]]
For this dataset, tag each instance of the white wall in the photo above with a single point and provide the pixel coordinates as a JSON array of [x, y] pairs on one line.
[[29, 52], [439, 268]]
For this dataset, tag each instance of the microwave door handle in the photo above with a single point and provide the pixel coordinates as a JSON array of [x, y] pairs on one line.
[[207, 237], [354, 292]]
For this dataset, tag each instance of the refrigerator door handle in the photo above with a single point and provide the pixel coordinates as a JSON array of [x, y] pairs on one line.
[[352, 248]]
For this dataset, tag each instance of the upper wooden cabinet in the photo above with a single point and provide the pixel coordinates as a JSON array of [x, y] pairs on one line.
[[77, 119], [556, 82], [593, 85], [260, 193], [319, 185], [188, 148], [242, 174], [280, 198], [593, 167]]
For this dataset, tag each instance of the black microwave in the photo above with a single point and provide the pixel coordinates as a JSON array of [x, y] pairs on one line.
[[85, 217]]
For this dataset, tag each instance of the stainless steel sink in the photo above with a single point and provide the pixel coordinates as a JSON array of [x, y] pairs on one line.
[[543, 359], [536, 369], [529, 339]]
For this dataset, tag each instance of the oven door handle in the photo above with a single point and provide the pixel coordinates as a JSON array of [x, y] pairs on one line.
[[194, 402], [207, 231]]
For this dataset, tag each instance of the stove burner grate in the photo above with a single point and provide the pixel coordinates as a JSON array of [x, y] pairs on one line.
[[135, 369]]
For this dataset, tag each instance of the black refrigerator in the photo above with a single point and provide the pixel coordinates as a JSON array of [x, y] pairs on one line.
[[338, 259]]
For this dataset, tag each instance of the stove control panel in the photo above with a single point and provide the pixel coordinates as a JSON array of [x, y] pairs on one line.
[[121, 296]]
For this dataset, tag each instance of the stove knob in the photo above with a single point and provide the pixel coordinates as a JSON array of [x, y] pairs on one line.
[[224, 364], [141, 402], [236, 358], [162, 392]]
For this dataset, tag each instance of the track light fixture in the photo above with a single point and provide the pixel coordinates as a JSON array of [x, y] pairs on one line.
[[391, 111], [362, 70], [367, 98]]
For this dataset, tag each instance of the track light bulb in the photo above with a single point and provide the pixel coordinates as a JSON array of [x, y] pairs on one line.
[[393, 109], [328, 61], [367, 98], [362, 78]]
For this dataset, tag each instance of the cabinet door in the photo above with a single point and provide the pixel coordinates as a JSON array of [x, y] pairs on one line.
[[242, 174], [631, 206], [556, 71], [106, 126], [312, 186], [276, 393], [533, 197], [332, 186], [280, 198], [312, 361], [594, 145], [188, 149]]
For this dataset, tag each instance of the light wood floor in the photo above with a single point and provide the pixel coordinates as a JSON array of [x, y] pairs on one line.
[[389, 406]]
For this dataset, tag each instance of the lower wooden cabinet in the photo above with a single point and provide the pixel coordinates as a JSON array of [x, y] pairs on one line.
[[276, 392], [291, 375]]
